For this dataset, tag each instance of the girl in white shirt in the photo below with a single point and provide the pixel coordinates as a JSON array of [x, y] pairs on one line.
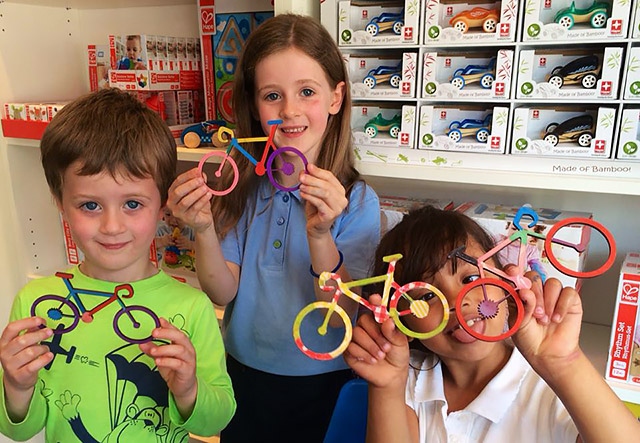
[[459, 389]]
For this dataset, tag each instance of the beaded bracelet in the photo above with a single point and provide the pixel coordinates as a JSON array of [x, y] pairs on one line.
[[316, 275]]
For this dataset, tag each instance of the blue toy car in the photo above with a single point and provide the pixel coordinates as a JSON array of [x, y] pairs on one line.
[[391, 74], [484, 74], [202, 133], [480, 129], [386, 21]]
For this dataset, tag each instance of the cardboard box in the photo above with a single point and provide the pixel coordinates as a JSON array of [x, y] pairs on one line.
[[453, 75], [393, 208], [383, 76], [624, 349], [535, 129], [568, 74], [463, 128], [496, 219], [632, 83], [99, 64], [629, 141], [383, 124]]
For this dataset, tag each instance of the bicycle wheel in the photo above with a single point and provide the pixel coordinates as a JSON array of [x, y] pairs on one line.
[[306, 315], [285, 165], [413, 306], [140, 322], [58, 310], [215, 181], [493, 300], [554, 243]]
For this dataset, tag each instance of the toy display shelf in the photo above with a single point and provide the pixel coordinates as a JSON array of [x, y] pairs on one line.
[[23, 129]]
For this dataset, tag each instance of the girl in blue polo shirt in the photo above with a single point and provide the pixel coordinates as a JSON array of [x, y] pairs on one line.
[[262, 256]]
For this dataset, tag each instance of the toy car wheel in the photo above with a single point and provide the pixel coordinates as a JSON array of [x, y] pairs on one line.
[[585, 139], [191, 140], [551, 138], [369, 81], [397, 27], [372, 29], [486, 81], [395, 80], [371, 131], [566, 21], [455, 135], [550, 127], [482, 135], [394, 131], [457, 82], [589, 81], [460, 26], [598, 20], [556, 80], [489, 25]]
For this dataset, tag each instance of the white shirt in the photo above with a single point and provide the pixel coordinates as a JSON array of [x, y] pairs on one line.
[[516, 405]]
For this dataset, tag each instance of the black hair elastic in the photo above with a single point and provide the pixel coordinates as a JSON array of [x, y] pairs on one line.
[[316, 275]]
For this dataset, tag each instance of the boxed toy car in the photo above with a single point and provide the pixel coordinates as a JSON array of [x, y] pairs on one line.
[[576, 20], [497, 220], [624, 349], [393, 208], [378, 23], [632, 83], [376, 76], [385, 124], [463, 128], [629, 139], [470, 21], [564, 131], [569, 74], [453, 75]]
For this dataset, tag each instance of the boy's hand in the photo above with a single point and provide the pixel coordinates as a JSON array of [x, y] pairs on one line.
[[325, 197], [549, 334], [379, 353], [176, 362], [189, 200]]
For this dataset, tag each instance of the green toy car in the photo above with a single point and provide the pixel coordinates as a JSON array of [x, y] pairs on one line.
[[379, 123], [596, 14]]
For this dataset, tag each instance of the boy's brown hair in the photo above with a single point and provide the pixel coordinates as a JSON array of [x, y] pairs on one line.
[[108, 131]]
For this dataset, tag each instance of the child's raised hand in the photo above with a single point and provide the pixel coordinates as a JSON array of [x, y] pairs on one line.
[[379, 353], [549, 334], [189, 200], [176, 362], [325, 197]]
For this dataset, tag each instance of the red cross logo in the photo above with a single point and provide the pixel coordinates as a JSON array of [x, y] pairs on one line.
[[365, 14], [406, 88], [605, 87], [364, 111], [505, 28], [449, 11], [443, 115], [543, 61], [408, 33], [536, 113], [599, 146], [447, 62], [495, 142], [616, 26], [547, 4], [363, 64], [499, 90], [404, 138]]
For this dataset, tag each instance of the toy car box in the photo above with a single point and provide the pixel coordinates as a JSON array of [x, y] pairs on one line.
[[464, 128], [632, 83], [383, 124], [629, 139], [624, 348], [393, 208], [453, 75], [464, 22], [584, 74], [378, 23], [635, 32], [496, 219], [576, 20], [570, 131], [382, 77]]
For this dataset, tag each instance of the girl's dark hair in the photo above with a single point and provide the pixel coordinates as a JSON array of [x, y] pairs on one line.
[[274, 35]]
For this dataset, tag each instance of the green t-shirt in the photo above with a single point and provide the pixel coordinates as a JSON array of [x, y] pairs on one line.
[[100, 387]]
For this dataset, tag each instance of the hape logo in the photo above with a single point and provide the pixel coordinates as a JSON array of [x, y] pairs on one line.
[[92, 58], [630, 292], [207, 22]]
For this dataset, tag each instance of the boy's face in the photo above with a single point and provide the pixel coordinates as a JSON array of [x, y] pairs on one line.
[[113, 221], [133, 48]]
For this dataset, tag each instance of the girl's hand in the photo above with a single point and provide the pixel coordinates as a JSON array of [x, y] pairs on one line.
[[176, 363], [379, 353], [549, 334], [325, 197], [189, 200]]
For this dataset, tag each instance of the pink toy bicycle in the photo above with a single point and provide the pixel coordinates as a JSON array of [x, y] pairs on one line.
[[280, 163]]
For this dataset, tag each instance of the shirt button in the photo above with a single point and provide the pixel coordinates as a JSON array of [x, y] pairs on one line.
[[280, 220], [277, 244], [285, 198]]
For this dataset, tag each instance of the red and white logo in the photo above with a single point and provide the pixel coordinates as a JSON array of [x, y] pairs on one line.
[[363, 63], [447, 62], [499, 88], [404, 138], [495, 142], [599, 146], [606, 87], [449, 11], [443, 115], [630, 291], [365, 14], [542, 62], [547, 4], [406, 88], [408, 33], [535, 114], [505, 29], [616, 26], [364, 111], [207, 20]]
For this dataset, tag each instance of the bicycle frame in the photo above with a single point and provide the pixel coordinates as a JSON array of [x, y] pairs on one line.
[[224, 133]]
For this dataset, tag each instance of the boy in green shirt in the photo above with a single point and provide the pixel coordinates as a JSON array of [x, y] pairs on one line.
[[107, 350]]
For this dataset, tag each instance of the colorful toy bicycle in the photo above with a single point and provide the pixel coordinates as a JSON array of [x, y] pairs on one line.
[[505, 286], [282, 162], [133, 324], [417, 299]]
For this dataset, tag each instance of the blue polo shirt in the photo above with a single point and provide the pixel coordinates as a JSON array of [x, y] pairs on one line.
[[270, 245]]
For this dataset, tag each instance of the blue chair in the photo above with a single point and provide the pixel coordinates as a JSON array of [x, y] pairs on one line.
[[349, 419]]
